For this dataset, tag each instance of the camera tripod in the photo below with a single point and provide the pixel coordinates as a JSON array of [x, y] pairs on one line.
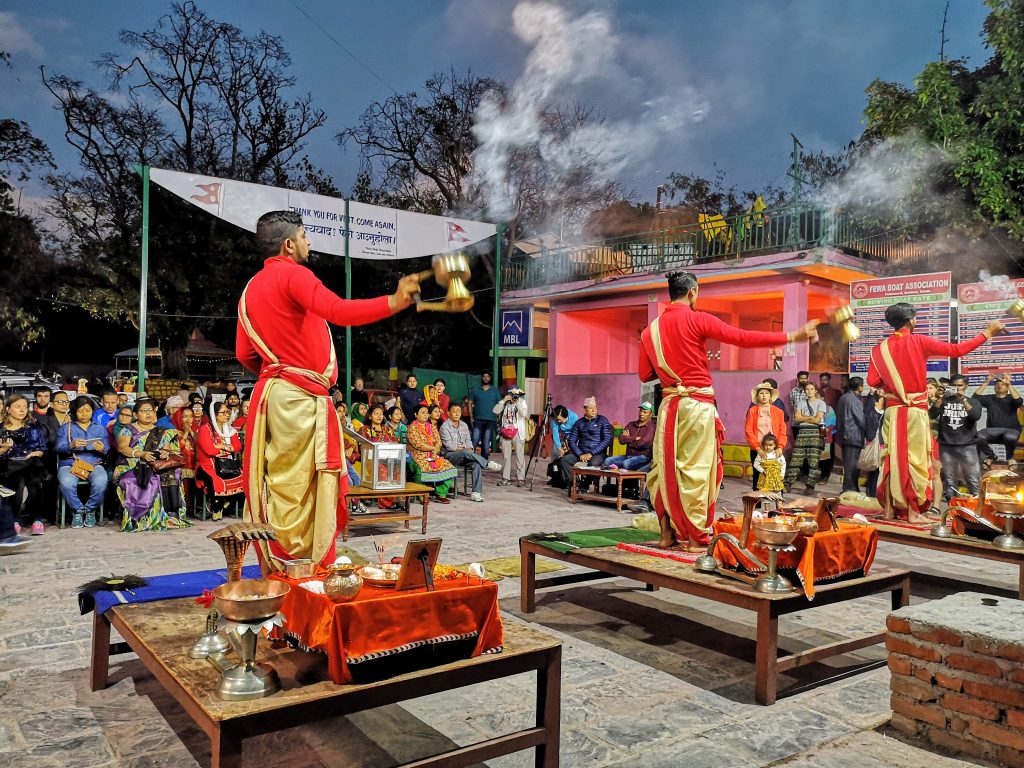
[[542, 432]]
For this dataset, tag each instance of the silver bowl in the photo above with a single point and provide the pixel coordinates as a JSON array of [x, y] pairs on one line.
[[1007, 506], [250, 599], [774, 532]]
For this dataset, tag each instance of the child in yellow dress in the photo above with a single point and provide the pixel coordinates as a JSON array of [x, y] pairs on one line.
[[771, 464]]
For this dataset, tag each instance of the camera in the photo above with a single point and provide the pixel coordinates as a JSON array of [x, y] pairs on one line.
[[514, 395]]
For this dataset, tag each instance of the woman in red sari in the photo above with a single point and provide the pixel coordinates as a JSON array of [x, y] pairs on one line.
[[185, 422], [217, 439]]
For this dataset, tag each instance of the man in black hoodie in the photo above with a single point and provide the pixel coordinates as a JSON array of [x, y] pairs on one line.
[[958, 437]]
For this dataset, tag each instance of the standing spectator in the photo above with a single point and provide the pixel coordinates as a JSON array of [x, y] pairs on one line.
[[798, 394], [850, 431], [42, 404], [564, 421], [457, 444], [588, 441], [810, 421], [409, 398], [443, 400], [638, 437], [106, 414], [1002, 425], [827, 392], [482, 401], [874, 410], [81, 438], [958, 437], [511, 414], [778, 401], [358, 394], [764, 418]]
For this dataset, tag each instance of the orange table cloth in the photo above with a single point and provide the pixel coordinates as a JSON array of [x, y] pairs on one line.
[[381, 621], [825, 556]]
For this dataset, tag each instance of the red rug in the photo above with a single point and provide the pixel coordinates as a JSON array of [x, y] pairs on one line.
[[654, 550]]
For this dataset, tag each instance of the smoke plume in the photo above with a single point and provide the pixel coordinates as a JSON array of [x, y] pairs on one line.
[[570, 56]]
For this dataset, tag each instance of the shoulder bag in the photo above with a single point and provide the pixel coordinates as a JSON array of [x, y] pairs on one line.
[[79, 467]]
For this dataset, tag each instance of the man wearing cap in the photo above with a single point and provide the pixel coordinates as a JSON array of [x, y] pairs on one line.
[[687, 467], [638, 437], [764, 418], [588, 441]]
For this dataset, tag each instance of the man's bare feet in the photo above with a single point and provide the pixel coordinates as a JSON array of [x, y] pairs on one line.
[[668, 536], [692, 546]]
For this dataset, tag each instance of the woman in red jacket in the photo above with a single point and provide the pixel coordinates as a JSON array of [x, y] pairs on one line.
[[763, 418], [217, 439]]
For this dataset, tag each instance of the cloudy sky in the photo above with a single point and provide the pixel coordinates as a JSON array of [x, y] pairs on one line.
[[686, 85]]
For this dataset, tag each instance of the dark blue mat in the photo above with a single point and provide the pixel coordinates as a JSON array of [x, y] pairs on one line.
[[162, 588]]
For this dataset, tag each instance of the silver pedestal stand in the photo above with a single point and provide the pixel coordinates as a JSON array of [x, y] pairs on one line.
[[772, 581], [250, 679], [1007, 539]]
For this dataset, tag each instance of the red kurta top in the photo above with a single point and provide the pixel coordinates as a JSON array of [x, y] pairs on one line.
[[287, 308], [684, 333], [910, 353]]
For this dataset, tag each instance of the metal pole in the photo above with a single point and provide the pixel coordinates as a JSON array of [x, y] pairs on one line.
[[496, 332], [140, 384], [348, 295]]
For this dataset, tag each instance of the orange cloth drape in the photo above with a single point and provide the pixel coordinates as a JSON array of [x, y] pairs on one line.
[[824, 556], [380, 620]]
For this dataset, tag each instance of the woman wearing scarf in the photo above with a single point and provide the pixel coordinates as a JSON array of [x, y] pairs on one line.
[[147, 507], [218, 440], [358, 412], [428, 466]]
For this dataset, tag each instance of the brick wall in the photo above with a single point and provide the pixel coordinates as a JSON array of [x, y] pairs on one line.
[[956, 687]]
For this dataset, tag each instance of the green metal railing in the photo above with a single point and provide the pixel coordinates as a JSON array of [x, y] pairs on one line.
[[792, 228]]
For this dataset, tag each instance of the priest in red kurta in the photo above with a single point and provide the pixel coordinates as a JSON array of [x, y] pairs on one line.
[[899, 364], [294, 467], [686, 466]]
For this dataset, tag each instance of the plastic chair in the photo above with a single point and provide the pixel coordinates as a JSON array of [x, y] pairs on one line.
[[78, 488]]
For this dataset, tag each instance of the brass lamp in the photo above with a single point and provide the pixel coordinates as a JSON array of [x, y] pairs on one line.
[[451, 271], [842, 318], [1016, 309]]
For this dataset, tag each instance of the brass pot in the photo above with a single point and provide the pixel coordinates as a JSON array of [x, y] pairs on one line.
[[806, 524], [342, 583]]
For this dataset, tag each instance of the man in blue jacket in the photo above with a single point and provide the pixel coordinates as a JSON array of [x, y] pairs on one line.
[[588, 441], [565, 420]]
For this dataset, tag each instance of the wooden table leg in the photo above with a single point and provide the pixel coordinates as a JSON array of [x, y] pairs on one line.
[[1020, 582], [618, 496], [225, 748], [100, 650], [426, 504], [572, 485], [549, 697], [527, 579], [766, 656]]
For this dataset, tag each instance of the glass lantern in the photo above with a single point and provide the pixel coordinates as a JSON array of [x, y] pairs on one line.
[[383, 465]]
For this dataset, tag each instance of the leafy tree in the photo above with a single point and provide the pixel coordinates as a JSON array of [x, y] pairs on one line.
[[202, 97]]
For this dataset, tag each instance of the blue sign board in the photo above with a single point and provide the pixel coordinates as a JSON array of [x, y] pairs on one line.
[[515, 328]]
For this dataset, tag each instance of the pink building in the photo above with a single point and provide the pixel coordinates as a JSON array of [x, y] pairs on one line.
[[593, 324]]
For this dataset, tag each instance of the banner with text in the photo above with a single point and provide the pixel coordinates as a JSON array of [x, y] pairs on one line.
[[980, 303], [929, 293], [374, 232]]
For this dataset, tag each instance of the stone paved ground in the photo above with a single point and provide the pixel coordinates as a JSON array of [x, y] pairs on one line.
[[649, 679]]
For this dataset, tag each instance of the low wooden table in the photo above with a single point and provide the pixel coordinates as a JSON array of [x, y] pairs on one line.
[[606, 474], [959, 545], [683, 577], [394, 515], [162, 632]]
